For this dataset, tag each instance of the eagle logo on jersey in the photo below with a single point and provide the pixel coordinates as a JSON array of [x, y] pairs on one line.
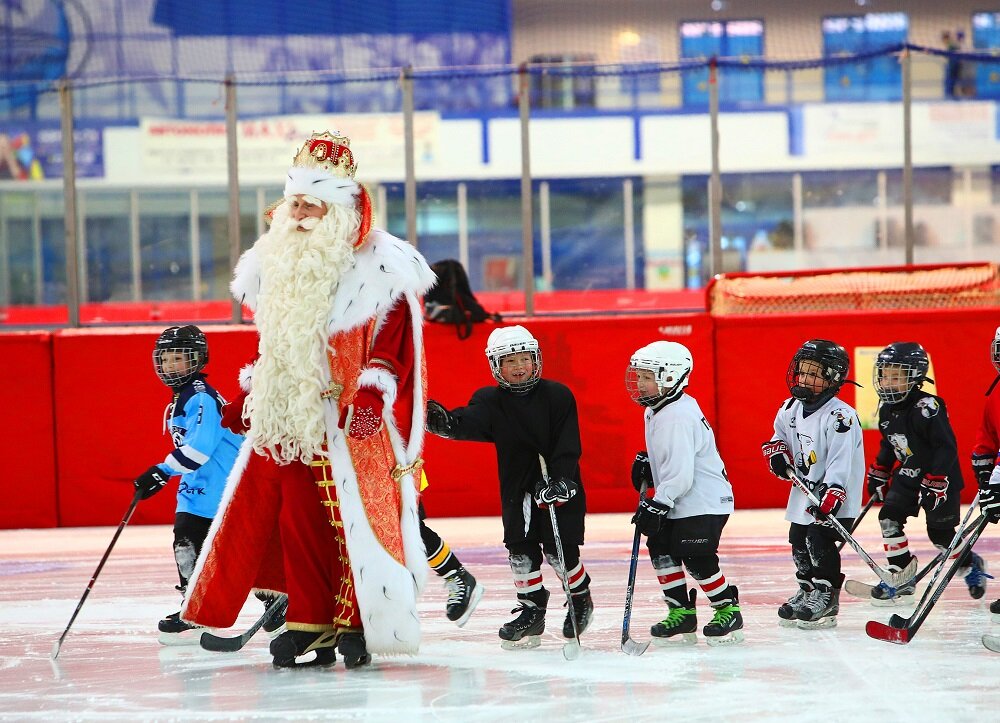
[[900, 446], [929, 407], [843, 420]]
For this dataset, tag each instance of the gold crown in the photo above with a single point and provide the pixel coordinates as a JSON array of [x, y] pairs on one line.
[[329, 151]]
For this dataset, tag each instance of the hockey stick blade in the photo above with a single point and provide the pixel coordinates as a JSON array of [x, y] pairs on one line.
[[632, 647], [887, 633], [219, 644], [992, 642], [898, 621]]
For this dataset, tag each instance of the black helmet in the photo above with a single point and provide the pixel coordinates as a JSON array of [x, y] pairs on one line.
[[190, 344], [899, 368], [833, 362]]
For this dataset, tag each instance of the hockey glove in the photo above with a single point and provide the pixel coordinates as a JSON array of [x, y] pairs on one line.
[[648, 519], [878, 480], [989, 503], [556, 492], [982, 466], [780, 458], [933, 491], [232, 415], [150, 482], [829, 503], [439, 421], [642, 473], [363, 418]]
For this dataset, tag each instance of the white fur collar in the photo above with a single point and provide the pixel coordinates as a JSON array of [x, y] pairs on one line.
[[385, 268]]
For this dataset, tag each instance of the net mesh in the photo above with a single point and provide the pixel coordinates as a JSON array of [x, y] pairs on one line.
[[959, 286]]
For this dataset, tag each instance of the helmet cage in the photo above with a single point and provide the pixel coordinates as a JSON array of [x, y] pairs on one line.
[[497, 354], [833, 365], [671, 378], [180, 354], [905, 376], [995, 352]]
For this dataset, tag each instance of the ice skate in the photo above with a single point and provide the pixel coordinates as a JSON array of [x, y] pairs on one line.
[[524, 632], [276, 625], [788, 612], [976, 577], [726, 626], [583, 609], [995, 611], [174, 631], [821, 608], [464, 594], [353, 649], [303, 649], [679, 627]]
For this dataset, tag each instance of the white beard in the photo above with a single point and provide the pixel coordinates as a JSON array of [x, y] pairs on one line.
[[299, 276]]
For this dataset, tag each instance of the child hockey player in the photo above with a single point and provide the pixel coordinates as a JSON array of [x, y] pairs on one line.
[[692, 498], [919, 456], [526, 416], [203, 455], [817, 437], [984, 455]]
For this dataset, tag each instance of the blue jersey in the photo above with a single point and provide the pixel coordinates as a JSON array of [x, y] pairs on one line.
[[205, 450]]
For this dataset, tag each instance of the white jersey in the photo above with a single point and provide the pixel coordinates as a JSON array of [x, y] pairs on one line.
[[826, 447], [687, 469]]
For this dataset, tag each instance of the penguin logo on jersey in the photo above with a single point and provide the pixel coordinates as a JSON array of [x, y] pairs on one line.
[[929, 407], [900, 446], [177, 435], [843, 420], [805, 460]]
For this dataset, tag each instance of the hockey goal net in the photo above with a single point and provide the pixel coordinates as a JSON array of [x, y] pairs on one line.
[[914, 287]]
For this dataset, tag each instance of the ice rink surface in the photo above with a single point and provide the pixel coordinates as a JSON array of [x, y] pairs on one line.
[[112, 668]]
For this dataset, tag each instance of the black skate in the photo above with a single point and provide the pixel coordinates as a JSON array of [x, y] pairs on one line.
[[464, 593], [524, 632], [679, 626], [821, 607], [174, 631], [583, 609], [726, 627], [276, 625], [995, 611], [303, 649], [353, 649], [976, 577], [882, 596], [788, 613]]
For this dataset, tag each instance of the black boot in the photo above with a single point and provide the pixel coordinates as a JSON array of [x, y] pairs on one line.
[[525, 630], [353, 649], [276, 625], [464, 593], [726, 625], [583, 609], [174, 631], [292, 644], [788, 612], [679, 625]]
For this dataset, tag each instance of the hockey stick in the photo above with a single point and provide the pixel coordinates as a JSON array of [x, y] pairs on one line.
[[892, 579], [630, 646], [220, 644], [571, 650], [901, 630], [57, 646], [857, 521]]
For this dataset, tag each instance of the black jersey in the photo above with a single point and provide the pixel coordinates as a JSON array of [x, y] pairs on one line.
[[916, 433]]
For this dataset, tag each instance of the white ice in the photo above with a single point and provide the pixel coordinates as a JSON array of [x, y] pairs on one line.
[[112, 668]]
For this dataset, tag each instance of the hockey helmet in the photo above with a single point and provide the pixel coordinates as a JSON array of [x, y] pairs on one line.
[[995, 351], [832, 367], [899, 368], [508, 340], [669, 363], [180, 353]]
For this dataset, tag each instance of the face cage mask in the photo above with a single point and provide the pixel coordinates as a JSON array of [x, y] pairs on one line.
[[183, 370], [803, 393], [995, 354], [522, 387], [911, 378], [664, 394]]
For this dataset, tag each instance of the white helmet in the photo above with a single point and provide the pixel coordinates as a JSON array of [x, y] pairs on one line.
[[509, 340], [670, 364], [995, 351]]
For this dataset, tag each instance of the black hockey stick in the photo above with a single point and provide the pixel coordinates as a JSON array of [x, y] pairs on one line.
[[630, 646], [219, 644], [901, 630], [571, 650], [128, 515], [857, 520]]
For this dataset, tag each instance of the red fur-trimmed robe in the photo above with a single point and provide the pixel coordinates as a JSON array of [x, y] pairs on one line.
[[376, 313]]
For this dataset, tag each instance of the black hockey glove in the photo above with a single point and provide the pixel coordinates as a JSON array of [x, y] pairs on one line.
[[642, 473], [933, 491], [989, 503], [878, 480], [830, 502], [649, 518], [982, 466], [556, 492], [439, 420], [150, 482], [779, 457]]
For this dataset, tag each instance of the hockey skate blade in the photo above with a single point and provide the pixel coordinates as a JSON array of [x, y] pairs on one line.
[[887, 633], [676, 641], [897, 601], [995, 617], [830, 621], [188, 637], [477, 595], [734, 638], [571, 650], [782, 623], [631, 647], [528, 642], [992, 642]]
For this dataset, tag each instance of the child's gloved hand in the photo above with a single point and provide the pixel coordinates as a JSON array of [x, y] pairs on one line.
[[150, 482]]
